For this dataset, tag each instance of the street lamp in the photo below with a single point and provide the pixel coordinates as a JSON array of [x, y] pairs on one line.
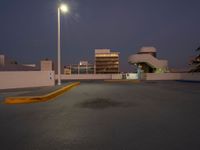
[[62, 8]]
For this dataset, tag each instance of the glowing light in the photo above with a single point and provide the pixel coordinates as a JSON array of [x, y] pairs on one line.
[[64, 8]]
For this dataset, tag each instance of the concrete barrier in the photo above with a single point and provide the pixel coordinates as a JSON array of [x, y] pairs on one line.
[[24, 79], [172, 76], [190, 76], [122, 81], [116, 76], [90, 76], [42, 98], [162, 76]]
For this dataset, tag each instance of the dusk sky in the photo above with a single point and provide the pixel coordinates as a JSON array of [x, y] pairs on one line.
[[28, 29]]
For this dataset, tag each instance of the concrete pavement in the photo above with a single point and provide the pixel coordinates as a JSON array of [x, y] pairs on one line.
[[101, 116]]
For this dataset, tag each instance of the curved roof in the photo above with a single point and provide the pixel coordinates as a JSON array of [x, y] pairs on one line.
[[148, 50]]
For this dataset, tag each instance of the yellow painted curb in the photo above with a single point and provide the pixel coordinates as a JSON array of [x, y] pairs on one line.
[[34, 99], [122, 81]]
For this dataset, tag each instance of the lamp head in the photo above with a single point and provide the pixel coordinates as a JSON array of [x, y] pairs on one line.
[[64, 8]]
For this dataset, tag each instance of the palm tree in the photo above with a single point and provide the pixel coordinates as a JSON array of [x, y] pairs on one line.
[[196, 62]]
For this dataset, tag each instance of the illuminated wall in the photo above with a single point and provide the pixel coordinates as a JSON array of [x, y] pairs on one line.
[[106, 62]]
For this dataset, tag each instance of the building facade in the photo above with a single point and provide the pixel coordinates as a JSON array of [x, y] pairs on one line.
[[82, 68], [106, 61]]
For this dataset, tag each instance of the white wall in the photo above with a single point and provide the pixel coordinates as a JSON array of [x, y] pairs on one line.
[[130, 76], [23, 79], [172, 76], [116, 76], [86, 77], [90, 76], [162, 76]]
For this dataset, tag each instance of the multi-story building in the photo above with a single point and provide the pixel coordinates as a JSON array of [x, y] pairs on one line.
[[106, 62], [82, 68]]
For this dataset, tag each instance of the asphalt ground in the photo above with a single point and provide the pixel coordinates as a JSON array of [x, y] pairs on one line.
[[107, 116]]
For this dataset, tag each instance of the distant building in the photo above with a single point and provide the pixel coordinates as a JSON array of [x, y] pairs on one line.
[[29, 65], [46, 65], [106, 62], [67, 70], [2, 60], [7, 64], [147, 60], [82, 68]]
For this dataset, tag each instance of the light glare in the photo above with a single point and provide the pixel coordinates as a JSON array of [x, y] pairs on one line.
[[64, 8]]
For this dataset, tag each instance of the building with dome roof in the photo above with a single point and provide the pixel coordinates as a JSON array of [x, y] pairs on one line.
[[147, 60]]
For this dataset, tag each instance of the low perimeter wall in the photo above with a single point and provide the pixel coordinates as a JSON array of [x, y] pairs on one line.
[[190, 76], [172, 76], [91, 77], [23, 79]]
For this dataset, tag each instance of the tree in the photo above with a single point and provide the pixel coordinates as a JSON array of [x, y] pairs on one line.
[[196, 62]]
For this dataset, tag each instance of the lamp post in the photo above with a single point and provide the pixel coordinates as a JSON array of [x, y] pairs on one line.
[[62, 8]]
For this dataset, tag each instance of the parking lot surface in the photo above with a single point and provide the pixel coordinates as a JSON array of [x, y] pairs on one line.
[[106, 116]]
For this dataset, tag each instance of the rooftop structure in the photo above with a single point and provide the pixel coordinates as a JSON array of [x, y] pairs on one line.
[[106, 61], [148, 50], [147, 59], [46, 65]]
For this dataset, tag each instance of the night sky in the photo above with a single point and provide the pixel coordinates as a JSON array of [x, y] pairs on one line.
[[28, 29]]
